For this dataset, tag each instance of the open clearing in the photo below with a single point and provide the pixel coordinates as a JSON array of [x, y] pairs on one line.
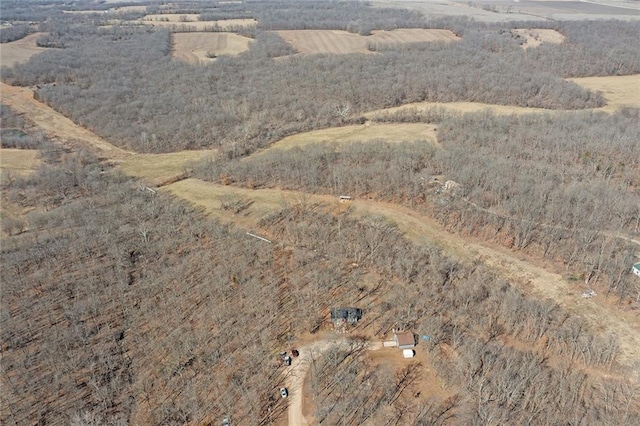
[[460, 107], [157, 169], [19, 162], [19, 51], [197, 48], [619, 91], [194, 25], [537, 36], [393, 132], [343, 42]]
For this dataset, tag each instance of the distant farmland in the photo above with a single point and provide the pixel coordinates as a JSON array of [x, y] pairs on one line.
[[200, 47], [341, 42]]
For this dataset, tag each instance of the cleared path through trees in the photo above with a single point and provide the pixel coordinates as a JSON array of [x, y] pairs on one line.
[[56, 125], [602, 315]]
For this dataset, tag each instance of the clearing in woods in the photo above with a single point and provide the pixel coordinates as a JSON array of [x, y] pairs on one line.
[[20, 162], [342, 42], [389, 132], [203, 47], [158, 169], [19, 51], [537, 36], [618, 91]]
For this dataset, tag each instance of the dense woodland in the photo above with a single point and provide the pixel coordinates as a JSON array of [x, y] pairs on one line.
[[564, 186], [122, 315], [121, 306]]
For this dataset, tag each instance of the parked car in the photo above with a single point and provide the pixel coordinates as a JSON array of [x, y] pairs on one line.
[[284, 392], [287, 360]]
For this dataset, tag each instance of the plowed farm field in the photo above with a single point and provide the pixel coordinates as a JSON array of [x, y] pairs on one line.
[[200, 48], [342, 42]]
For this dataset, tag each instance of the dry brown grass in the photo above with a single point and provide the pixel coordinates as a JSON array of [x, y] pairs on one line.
[[536, 36], [342, 42], [393, 132], [19, 162], [156, 169], [195, 48], [19, 51], [459, 107], [619, 91]]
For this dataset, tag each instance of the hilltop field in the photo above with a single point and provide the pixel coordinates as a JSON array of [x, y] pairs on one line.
[[190, 190]]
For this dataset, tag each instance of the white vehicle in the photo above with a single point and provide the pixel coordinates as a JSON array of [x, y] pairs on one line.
[[284, 392]]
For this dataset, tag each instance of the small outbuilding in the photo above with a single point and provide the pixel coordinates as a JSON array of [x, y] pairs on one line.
[[404, 340], [636, 269], [408, 353], [343, 316]]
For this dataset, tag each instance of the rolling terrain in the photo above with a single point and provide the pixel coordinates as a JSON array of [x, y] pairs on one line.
[[182, 206]]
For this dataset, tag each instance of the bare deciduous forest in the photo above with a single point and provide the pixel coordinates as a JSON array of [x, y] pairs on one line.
[[123, 304]]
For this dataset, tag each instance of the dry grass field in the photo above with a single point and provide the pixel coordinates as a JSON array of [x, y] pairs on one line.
[[197, 48], [342, 42], [411, 35], [19, 162], [537, 36], [210, 196], [19, 51], [156, 169], [460, 107], [394, 132], [191, 23], [619, 91]]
